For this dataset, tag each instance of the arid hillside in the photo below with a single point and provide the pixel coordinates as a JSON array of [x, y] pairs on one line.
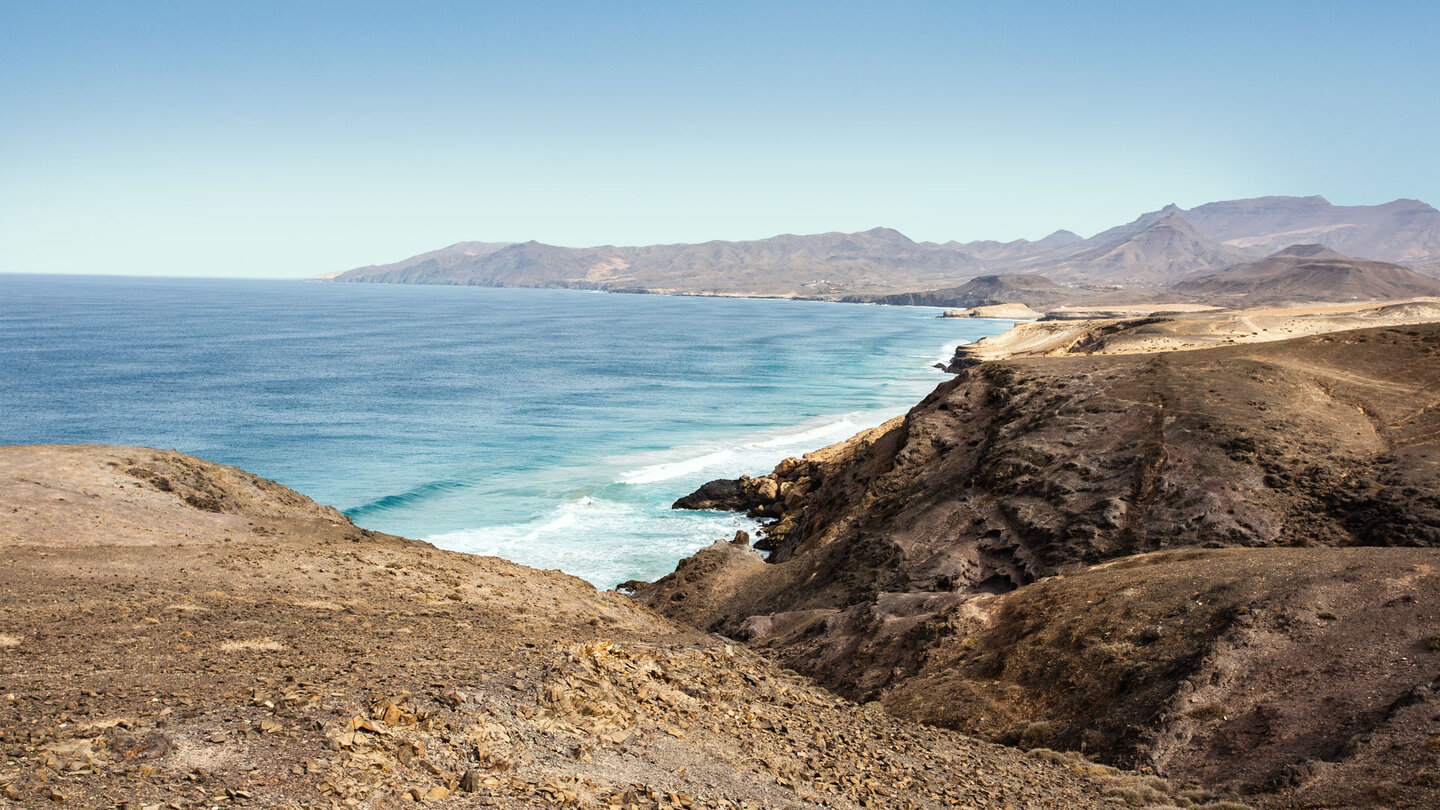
[[1309, 273], [1219, 563], [176, 633]]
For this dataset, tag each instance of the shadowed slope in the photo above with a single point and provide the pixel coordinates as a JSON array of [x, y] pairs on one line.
[[892, 552]]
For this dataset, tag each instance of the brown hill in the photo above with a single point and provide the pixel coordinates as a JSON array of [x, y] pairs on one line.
[[178, 633], [956, 564], [1309, 273]]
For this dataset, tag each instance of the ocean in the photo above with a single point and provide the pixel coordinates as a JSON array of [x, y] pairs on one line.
[[550, 427]]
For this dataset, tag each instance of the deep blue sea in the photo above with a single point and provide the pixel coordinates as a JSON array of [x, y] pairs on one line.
[[550, 427]]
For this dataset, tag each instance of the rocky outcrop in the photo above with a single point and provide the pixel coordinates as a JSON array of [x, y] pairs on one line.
[[723, 493], [1017, 312], [1307, 673], [919, 565]]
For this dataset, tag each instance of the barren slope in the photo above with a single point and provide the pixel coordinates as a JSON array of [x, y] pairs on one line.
[[1310, 273], [177, 632]]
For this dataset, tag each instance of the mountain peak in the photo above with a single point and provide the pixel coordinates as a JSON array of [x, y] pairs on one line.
[[1407, 204], [1310, 250], [1061, 237], [1172, 220], [888, 234]]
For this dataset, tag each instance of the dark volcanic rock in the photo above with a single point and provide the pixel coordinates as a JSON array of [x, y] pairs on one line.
[[722, 493]]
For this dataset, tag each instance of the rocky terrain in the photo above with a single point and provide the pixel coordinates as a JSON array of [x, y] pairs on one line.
[[1146, 255], [178, 634], [1172, 328], [1219, 563]]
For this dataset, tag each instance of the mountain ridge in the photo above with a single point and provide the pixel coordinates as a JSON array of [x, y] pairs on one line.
[[1153, 250]]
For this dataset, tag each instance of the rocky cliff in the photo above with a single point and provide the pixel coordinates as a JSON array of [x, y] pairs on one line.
[[1214, 562]]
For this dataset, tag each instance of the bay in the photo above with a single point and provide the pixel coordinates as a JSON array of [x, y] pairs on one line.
[[550, 427]]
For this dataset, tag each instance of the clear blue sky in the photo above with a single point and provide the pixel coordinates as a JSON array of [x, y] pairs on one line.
[[293, 138]]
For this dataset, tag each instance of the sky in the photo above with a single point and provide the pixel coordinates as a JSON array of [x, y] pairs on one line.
[[290, 139]]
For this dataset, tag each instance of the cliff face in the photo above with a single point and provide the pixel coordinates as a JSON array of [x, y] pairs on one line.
[[952, 564], [177, 632]]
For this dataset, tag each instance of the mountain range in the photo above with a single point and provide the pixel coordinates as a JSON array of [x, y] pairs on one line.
[[1152, 252]]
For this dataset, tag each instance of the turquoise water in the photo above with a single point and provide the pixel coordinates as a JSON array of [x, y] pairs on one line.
[[550, 427]]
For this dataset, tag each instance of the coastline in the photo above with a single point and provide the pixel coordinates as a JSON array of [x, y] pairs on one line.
[[665, 472], [1088, 543], [946, 635], [183, 632], [484, 414]]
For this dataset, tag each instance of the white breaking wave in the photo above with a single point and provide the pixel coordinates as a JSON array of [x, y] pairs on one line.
[[564, 516], [584, 537], [752, 455], [606, 541], [666, 471], [947, 354], [844, 425]]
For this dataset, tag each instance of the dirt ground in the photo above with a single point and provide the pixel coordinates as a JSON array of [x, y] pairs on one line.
[[178, 634]]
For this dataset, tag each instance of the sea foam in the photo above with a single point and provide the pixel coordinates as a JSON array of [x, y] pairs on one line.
[[479, 418]]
